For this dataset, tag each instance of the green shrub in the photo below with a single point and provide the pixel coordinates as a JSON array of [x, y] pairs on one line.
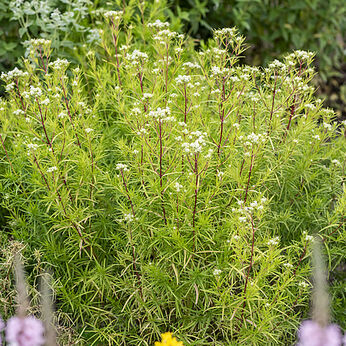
[[170, 189], [65, 22], [275, 27]]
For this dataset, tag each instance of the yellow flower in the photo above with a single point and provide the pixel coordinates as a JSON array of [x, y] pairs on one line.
[[168, 340]]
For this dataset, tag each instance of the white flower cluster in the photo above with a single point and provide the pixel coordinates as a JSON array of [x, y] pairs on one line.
[[59, 64], [309, 238], [137, 57], [52, 169], [32, 146], [303, 284], [35, 92], [147, 96], [253, 138], [310, 106], [248, 209], [14, 74], [88, 130], [327, 126], [288, 265], [220, 174], [183, 79], [40, 42], [166, 35], [162, 114], [229, 32], [18, 112], [191, 65], [121, 166], [45, 102], [178, 186], [142, 131], [158, 24], [276, 64], [274, 241], [128, 217], [217, 71], [197, 145], [298, 56], [115, 15], [217, 272], [94, 36], [136, 111]]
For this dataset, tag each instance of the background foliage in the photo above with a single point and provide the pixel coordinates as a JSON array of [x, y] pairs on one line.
[[275, 27]]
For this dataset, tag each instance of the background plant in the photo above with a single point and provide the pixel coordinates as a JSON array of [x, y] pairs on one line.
[[171, 189], [65, 22], [273, 28]]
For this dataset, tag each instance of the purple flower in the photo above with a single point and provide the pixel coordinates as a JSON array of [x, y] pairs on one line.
[[26, 331], [312, 334], [2, 327]]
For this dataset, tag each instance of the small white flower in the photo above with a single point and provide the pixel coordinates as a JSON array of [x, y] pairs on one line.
[[52, 169], [158, 24], [88, 130], [115, 15], [210, 152], [121, 166], [32, 146], [178, 186], [59, 64], [309, 238], [183, 79], [147, 96], [45, 102], [18, 112], [128, 217], [254, 204], [220, 174], [274, 241], [327, 126], [217, 272], [35, 92], [310, 106], [303, 284]]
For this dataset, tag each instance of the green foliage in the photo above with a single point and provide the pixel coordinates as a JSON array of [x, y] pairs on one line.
[[275, 27], [170, 189], [65, 22]]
